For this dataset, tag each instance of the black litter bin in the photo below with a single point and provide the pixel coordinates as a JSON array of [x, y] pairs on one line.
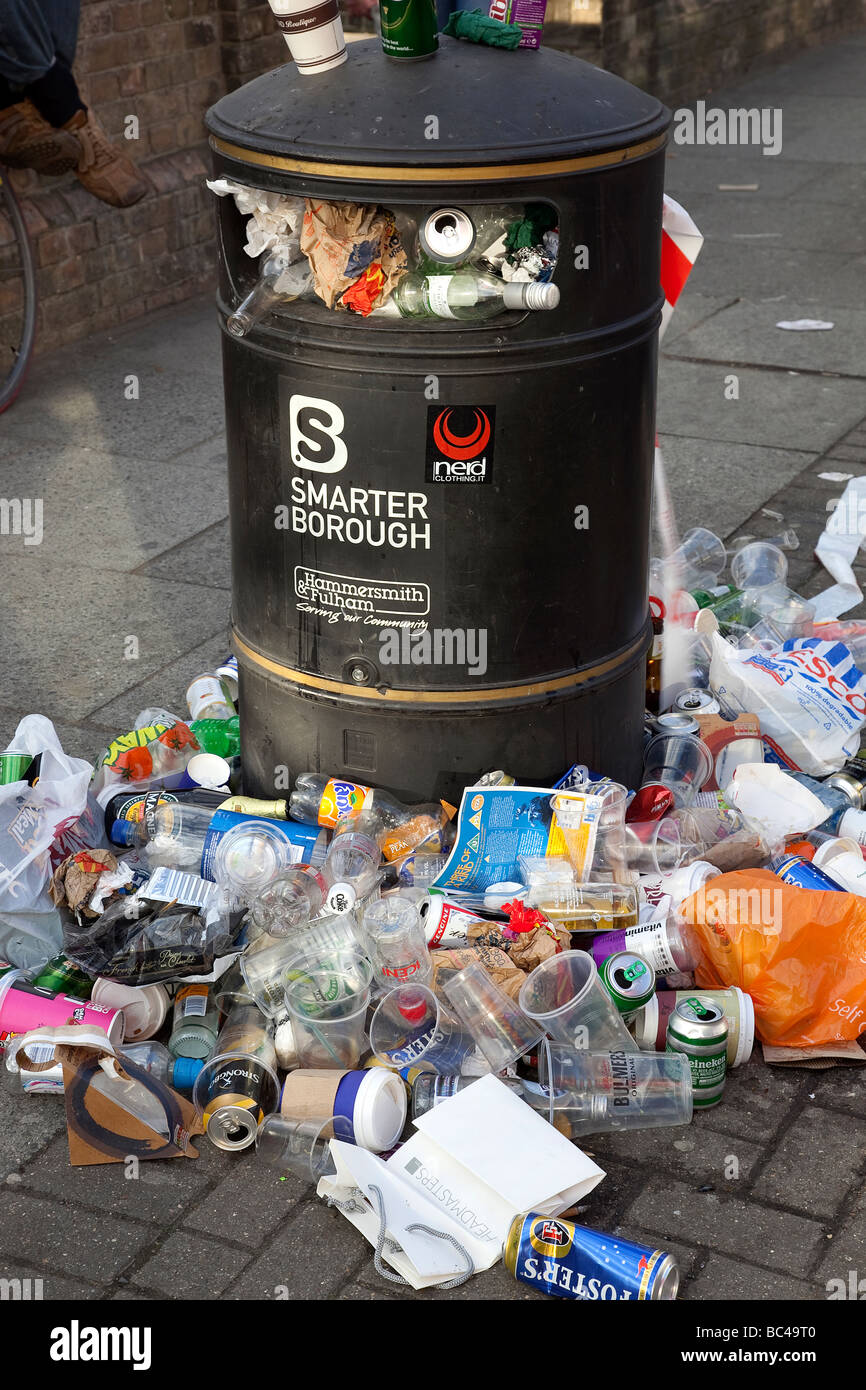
[[392, 477]]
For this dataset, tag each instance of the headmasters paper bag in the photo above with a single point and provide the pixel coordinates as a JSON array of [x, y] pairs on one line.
[[446, 1198]]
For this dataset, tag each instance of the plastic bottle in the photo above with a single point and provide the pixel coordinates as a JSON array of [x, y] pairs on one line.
[[468, 294], [670, 947], [321, 800], [291, 900], [219, 736], [839, 802], [177, 1072], [185, 836], [195, 1023], [351, 867]]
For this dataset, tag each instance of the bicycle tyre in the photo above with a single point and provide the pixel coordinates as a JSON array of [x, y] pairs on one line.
[[12, 380]]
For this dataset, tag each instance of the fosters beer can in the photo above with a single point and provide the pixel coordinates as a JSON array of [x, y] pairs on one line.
[[574, 1262]]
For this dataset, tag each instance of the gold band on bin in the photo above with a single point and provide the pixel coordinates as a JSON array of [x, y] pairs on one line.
[[441, 697], [385, 173]]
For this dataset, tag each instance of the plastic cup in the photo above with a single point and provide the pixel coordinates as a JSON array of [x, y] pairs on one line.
[[351, 867], [599, 847], [249, 857], [501, 1029], [412, 1029], [565, 996], [654, 1089], [301, 1147], [680, 762], [329, 1032], [782, 608], [701, 555], [398, 941], [758, 564], [654, 846], [314, 34]]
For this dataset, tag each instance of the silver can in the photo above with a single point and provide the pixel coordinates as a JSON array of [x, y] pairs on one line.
[[699, 1029], [850, 785], [695, 701], [677, 721], [447, 236]]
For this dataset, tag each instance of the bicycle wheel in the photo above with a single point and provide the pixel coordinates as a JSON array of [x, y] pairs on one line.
[[17, 295]]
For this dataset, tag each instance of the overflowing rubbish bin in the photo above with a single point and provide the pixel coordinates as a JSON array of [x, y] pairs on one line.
[[440, 521]]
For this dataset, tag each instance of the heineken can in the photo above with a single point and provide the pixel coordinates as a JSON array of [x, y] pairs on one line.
[[699, 1029], [409, 29], [62, 976], [629, 980], [570, 1261]]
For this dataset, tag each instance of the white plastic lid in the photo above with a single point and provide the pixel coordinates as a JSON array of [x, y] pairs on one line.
[[644, 1025], [688, 879], [249, 856], [746, 1040], [379, 1112]]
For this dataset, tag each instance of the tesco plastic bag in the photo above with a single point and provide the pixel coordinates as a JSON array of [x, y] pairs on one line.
[[32, 818], [799, 952], [809, 696]]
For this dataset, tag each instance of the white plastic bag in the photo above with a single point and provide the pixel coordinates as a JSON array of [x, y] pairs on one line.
[[32, 818], [809, 696]]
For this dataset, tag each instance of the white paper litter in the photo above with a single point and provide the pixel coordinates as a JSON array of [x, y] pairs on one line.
[[838, 544], [835, 477], [773, 801], [805, 325], [275, 219]]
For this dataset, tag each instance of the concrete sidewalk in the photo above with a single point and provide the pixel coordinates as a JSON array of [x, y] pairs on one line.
[[760, 1198]]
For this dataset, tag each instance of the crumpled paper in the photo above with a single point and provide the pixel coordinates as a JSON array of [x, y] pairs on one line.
[[275, 218], [76, 877], [498, 965], [355, 253]]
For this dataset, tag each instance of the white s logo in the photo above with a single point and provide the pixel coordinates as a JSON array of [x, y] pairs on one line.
[[315, 427]]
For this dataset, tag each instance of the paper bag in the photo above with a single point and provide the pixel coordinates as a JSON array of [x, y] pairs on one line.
[[444, 1202]]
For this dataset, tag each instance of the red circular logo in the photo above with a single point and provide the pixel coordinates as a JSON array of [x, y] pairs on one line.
[[466, 446]]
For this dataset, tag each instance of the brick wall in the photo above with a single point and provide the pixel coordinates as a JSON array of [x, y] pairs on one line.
[[163, 62], [684, 49], [166, 61]]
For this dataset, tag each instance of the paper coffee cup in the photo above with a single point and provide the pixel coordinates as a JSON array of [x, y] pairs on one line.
[[368, 1107], [143, 1007], [313, 31]]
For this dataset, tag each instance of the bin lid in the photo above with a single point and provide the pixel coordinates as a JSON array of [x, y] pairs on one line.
[[493, 106]]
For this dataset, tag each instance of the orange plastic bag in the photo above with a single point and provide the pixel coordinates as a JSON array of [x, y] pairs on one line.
[[799, 953]]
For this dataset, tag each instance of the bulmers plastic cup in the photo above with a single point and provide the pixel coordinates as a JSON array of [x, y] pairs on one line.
[[758, 564], [313, 32], [501, 1029], [411, 1028], [329, 1032], [565, 996], [301, 1147], [680, 762]]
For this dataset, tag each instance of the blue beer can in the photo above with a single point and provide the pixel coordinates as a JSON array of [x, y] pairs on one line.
[[570, 1261], [800, 873]]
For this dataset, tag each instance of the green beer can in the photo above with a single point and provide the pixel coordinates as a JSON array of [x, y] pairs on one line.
[[62, 976], [409, 29], [699, 1028], [13, 766], [629, 980]]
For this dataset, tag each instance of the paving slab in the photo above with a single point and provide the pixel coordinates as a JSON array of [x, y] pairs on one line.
[[167, 686], [815, 1165], [725, 1280], [775, 1239], [788, 411], [721, 483], [60, 1236], [83, 623], [722, 336], [191, 1266]]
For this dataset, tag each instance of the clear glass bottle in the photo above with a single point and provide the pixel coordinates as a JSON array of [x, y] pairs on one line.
[[468, 294], [278, 283]]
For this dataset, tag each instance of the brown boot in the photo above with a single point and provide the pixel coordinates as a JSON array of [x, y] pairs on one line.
[[27, 141], [103, 168]]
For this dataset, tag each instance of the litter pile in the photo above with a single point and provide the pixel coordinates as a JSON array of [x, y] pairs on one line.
[[425, 1010]]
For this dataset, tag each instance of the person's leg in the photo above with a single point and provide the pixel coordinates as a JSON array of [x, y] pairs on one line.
[[28, 63], [27, 47]]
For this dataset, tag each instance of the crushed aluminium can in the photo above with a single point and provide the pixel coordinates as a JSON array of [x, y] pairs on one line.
[[570, 1261]]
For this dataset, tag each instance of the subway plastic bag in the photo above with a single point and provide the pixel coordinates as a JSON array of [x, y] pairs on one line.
[[800, 954]]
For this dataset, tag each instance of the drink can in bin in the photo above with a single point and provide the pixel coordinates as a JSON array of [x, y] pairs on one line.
[[409, 29], [696, 701]]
